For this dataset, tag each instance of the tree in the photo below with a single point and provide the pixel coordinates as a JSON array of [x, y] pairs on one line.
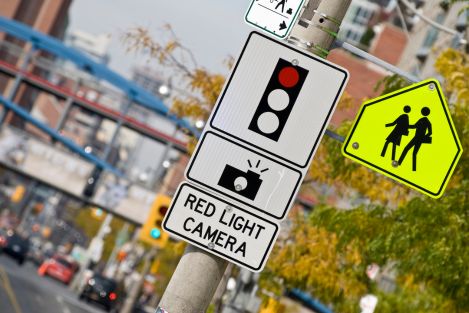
[[326, 251], [424, 240]]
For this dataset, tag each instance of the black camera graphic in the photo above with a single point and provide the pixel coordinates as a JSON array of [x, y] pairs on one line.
[[245, 184]]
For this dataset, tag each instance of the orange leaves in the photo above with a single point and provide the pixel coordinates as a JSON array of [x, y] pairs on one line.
[[453, 65], [200, 88], [310, 258]]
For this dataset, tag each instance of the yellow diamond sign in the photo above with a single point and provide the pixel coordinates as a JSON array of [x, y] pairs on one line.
[[407, 135]]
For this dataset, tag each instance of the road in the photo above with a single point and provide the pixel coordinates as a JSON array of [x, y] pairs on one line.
[[23, 291]]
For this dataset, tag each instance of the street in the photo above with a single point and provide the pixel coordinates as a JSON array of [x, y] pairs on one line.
[[22, 290]]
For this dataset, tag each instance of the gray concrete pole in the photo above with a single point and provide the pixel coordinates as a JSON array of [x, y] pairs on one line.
[[193, 283], [198, 273], [318, 33]]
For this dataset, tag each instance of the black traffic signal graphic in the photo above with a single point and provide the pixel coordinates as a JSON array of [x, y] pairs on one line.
[[278, 99]]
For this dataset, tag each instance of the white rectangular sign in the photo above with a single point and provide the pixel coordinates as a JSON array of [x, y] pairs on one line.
[[279, 99], [274, 16], [243, 174], [220, 227]]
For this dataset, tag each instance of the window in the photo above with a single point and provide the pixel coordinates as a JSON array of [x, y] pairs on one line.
[[432, 33]]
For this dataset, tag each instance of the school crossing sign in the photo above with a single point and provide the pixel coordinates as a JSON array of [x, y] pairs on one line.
[[407, 135]]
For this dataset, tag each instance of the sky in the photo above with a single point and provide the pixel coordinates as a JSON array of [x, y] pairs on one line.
[[211, 29]]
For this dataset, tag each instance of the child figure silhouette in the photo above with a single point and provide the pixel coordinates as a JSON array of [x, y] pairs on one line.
[[423, 133], [401, 128]]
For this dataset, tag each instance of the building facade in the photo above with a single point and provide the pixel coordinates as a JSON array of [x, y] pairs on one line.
[[426, 42]]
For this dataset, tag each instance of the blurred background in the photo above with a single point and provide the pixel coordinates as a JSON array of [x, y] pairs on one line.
[[101, 104]]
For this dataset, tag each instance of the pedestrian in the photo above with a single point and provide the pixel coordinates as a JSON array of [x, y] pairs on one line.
[[281, 3], [401, 128], [423, 134]]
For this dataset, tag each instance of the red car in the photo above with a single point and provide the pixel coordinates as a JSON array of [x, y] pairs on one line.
[[58, 267]]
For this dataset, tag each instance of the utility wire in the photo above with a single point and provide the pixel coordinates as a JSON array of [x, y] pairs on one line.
[[445, 29], [369, 57], [383, 64], [403, 22]]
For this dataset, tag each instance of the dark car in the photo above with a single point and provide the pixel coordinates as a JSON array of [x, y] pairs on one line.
[[104, 291], [15, 246]]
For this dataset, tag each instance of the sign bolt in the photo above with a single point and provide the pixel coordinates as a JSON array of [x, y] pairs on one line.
[[431, 86], [229, 208], [238, 187], [295, 62], [355, 145], [211, 245], [395, 164]]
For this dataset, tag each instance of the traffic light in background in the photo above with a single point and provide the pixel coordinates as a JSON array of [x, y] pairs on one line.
[[152, 231], [38, 207], [18, 194], [91, 183], [278, 99], [97, 213]]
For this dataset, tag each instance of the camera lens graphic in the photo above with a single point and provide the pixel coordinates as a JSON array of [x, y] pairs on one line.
[[243, 183], [240, 183]]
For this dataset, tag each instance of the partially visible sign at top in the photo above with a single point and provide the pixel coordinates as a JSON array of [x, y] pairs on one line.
[[274, 16]]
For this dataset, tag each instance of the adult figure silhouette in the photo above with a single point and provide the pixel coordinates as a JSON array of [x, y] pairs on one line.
[[281, 3], [401, 129], [423, 133]]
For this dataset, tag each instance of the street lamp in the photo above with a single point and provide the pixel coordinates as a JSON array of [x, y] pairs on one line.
[[164, 90], [200, 124]]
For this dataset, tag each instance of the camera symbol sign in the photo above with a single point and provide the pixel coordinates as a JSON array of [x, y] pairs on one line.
[[257, 145]]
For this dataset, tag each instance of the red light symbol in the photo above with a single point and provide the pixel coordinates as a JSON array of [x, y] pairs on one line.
[[288, 77]]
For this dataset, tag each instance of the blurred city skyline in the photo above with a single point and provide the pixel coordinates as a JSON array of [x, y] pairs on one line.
[[221, 33]]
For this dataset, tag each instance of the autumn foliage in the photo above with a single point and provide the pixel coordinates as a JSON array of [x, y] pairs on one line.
[[420, 243]]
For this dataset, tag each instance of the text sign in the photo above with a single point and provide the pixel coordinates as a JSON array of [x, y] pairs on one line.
[[407, 135], [221, 228], [241, 173], [275, 17], [279, 99]]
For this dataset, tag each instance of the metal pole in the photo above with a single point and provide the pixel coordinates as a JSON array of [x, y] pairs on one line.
[[137, 286], [77, 282], [120, 122], [156, 180], [117, 245], [369, 57], [198, 273], [16, 84], [67, 107]]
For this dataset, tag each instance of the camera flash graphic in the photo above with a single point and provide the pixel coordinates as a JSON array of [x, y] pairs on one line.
[[257, 166]]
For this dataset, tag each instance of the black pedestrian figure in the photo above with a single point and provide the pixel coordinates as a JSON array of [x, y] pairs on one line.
[[281, 3], [423, 134], [401, 129]]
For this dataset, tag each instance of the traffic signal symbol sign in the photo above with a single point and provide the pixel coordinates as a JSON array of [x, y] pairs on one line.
[[278, 99], [151, 231]]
